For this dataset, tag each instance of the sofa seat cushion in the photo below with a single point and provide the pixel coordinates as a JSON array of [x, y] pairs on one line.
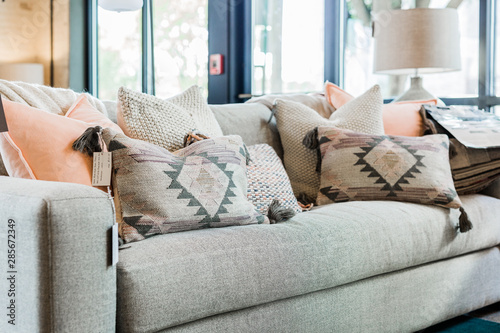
[[177, 278]]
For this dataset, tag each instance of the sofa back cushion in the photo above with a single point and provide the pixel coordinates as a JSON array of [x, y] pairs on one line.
[[251, 122]]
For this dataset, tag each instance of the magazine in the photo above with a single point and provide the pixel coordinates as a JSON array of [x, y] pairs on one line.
[[471, 127]]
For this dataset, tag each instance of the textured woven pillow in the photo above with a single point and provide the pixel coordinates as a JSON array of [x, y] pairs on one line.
[[201, 186], [267, 180], [400, 118], [295, 120], [358, 166], [165, 122]]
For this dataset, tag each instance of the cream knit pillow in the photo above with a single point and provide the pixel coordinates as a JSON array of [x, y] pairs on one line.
[[196, 106], [165, 122], [295, 120]]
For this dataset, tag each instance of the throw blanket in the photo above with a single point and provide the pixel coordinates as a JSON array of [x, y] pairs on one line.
[[53, 100]]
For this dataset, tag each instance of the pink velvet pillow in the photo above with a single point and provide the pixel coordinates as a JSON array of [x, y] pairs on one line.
[[400, 118], [39, 144]]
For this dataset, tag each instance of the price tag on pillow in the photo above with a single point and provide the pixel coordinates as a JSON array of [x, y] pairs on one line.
[[3, 120], [101, 173]]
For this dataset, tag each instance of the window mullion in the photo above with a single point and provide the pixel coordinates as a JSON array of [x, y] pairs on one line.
[[486, 50], [335, 19], [148, 85], [92, 83]]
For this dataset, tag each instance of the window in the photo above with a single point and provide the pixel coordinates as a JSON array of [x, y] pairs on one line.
[[278, 46], [359, 53], [119, 52], [180, 48], [180, 45], [288, 46], [463, 83]]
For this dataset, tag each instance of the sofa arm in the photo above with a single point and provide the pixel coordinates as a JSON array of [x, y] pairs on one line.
[[59, 277], [493, 190]]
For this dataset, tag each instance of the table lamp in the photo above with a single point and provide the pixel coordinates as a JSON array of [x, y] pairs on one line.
[[416, 41], [26, 72]]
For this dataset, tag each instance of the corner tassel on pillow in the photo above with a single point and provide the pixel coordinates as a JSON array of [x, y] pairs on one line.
[[310, 141], [277, 214], [463, 221], [194, 136], [89, 142]]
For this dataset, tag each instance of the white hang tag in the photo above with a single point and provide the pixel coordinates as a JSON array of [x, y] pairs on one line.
[[114, 244], [101, 173]]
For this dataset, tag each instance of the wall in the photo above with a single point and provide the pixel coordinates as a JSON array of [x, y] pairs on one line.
[[27, 35]]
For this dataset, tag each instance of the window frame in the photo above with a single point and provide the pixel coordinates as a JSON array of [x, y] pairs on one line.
[[230, 34]]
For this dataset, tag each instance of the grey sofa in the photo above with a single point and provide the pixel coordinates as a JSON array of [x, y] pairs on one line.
[[346, 267]]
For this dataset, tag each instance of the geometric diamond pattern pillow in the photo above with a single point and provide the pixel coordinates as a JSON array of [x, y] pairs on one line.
[[358, 166], [295, 120], [267, 180], [201, 186]]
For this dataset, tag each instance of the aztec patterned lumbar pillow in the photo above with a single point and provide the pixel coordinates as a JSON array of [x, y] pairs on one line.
[[165, 122], [267, 180], [295, 120], [358, 166], [201, 186]]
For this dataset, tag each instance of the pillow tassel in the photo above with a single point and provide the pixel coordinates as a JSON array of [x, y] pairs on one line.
[[311, 141], [463, 221], [277, 214], [89, 142]]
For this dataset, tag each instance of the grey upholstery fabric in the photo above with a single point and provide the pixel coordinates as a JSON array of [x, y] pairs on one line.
[[173, 279], [111, 110], [250, 121], [402, 301], [315, 101], [63, 280]]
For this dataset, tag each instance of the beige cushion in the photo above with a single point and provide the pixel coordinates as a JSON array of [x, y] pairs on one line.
[[362, 114], [359, 167], [237, 268], [251, 122], [165, 122], [295, 120], [201, 186]]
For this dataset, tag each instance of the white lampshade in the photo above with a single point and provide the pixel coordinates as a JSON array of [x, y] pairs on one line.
[[121, 5], [26, 72], [427, 39]]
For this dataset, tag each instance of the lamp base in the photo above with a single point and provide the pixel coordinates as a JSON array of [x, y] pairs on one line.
[[416, 92]]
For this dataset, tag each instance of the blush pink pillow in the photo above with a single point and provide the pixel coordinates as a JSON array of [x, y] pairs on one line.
[[38, 144], [400, 118]]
